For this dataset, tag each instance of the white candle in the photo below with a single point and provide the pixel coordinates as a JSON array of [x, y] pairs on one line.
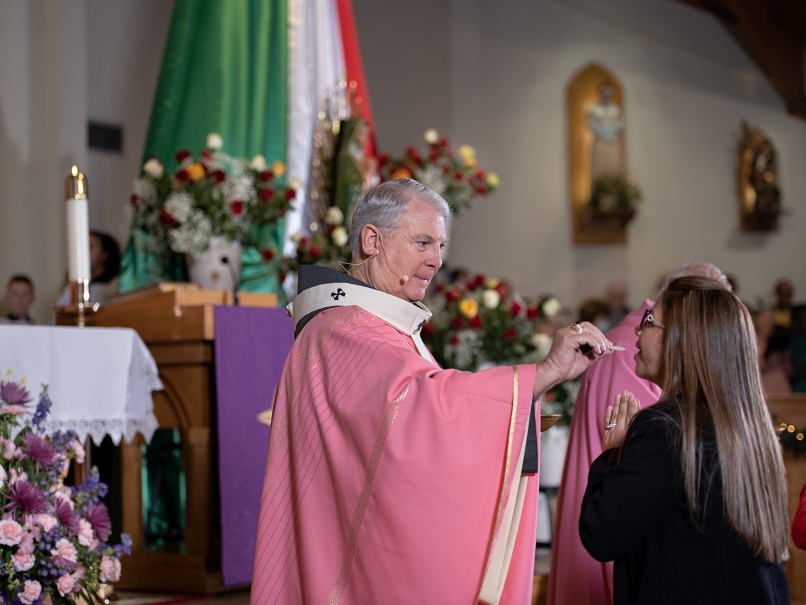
[[78, 229]]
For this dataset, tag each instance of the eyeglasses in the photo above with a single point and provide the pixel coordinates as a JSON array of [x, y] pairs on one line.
[[647, 320]]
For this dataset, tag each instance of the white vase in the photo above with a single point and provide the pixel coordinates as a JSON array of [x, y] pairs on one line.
[[209, 271], [553, 444]]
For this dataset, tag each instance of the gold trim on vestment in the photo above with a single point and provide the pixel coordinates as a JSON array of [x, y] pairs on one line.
[[358, 516], [506, 472]]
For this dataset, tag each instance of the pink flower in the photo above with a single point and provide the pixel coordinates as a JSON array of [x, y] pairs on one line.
[[17, 476], [47, 522], [13, 410], [23, 560], [31, 593], [85, 532], [110, 570], [10, 532], [65, 550], [27, 542], [65, 584], [11, 451], [79, 451], [78, 575]]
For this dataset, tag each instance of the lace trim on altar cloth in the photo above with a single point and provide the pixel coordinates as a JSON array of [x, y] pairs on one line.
[[98, 429]]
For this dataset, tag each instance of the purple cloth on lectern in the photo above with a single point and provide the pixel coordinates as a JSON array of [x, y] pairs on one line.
[[251, 345]]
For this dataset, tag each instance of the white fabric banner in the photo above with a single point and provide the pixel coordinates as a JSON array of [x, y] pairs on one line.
[[99, 379], [315, 65]]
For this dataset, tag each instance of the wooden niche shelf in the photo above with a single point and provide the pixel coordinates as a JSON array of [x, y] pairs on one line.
[[594, 225]]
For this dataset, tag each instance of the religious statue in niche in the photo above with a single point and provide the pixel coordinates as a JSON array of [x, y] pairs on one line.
[[759, 195], [603, 197]]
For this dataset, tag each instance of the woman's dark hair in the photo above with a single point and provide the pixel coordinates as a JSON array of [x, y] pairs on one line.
[[112, 262]]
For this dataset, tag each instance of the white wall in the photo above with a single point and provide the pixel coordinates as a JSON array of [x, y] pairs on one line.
[[687, 86], [61, 63]]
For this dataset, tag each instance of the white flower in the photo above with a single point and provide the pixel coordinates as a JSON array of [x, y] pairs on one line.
[[258, 163], [432, 177], [3, 476], [431, 136], [179, 205], [153, 168], [214, 141], [491, 298], [540, 340], [340, 236], [297, 237], [551, 307], [334, 216]]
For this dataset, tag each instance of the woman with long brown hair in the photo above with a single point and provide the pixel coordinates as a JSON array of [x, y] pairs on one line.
[[703, 462]]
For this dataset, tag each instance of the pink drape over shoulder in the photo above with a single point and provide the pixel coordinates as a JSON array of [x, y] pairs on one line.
[[576, 578], [387, 476]]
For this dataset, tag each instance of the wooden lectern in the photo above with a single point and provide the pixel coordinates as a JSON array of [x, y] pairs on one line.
[[176, 322]]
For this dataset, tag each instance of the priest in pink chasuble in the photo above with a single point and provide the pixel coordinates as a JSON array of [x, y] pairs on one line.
[[390, 480]]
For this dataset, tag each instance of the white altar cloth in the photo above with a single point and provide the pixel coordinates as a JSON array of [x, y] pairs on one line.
[[99, 379]]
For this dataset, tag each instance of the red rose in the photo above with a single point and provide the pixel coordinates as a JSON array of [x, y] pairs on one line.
[[458, 175], [219, 176], [456, 323], [206, 154], [480, 174], [136, 201], [265, 176], [480, 279], [549, 396], [428, 330], [281, 276], [475, 323], [290, 194], [266, 194], [182, 176], [267, 254], [314, 252], [166, 218], [516, 308], [532, 313], [412, 153], [434, 155], [454, 340], [481, 190], [383, 159], [182, 155], [501, 288], [471, 284], [510, 333], [237, 207], [443, 142], [452, 295], [303, 243], [440, 288]]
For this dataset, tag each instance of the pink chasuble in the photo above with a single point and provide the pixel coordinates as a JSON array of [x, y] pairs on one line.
[[576, 578], [387, 477]]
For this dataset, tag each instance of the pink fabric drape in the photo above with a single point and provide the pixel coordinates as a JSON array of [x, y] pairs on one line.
[[385, 473], [576, 578]]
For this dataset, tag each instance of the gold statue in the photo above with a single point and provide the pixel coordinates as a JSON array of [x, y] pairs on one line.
[[759, 195]]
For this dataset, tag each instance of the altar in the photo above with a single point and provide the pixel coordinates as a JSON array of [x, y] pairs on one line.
[[208, 353]]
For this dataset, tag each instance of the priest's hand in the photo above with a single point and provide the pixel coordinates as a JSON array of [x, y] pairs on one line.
[[565, 360], [617, 419]]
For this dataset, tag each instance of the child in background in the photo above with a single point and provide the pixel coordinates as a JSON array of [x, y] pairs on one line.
[[19, 298]]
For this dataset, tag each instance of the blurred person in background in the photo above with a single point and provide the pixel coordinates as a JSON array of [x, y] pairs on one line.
[[104, 269], [773, 356], [18, 300], [595, 312]]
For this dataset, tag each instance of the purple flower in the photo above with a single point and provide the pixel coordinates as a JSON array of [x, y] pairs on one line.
[[98, 516], [14, 394], [66, 516], [42, 409], [40, 451], [27, 497]]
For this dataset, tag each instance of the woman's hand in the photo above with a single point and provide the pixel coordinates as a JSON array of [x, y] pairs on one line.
[[618, 418]]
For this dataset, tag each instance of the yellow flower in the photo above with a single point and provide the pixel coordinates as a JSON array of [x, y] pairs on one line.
[[278, 169], [469, 308], [471, 162], [401, 173], [466, 151], [492, 180], [195, 171], [492, 283]]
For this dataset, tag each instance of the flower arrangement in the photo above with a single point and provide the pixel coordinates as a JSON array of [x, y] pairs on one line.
[[475, 323], [326, 247], [614, 194], [213, 195], [458, 178], [53, 539]]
